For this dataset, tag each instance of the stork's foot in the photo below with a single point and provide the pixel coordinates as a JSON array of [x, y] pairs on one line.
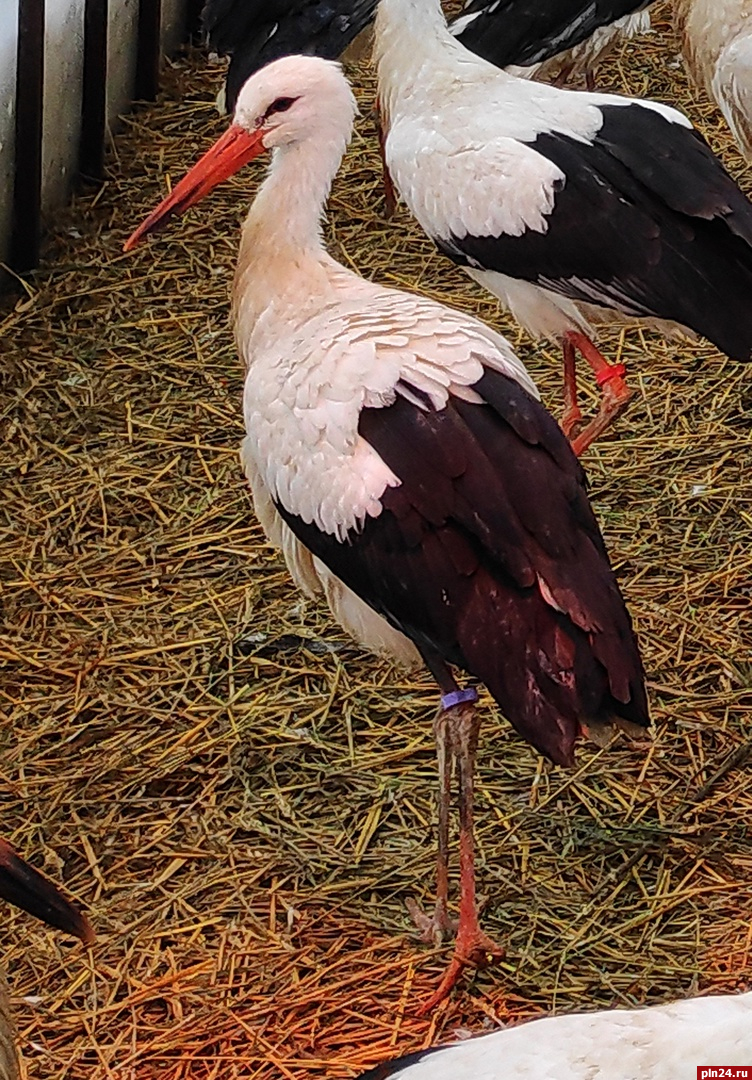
[[433, 928], [472, 949], [615, 394], [616, 397]]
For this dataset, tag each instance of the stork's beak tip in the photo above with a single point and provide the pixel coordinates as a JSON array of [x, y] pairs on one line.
[[229, 153]]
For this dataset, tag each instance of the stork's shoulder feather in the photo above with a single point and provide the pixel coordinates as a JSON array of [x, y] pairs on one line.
[[485, 170], [485, 187], [311, 375]]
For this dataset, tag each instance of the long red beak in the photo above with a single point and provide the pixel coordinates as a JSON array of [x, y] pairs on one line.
[[22, 885], [230, 152]]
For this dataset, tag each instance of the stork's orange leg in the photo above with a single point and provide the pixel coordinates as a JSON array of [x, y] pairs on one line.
[[616, 395], [390, 196], [562, 78], [472, 946], [433, 927], [564, 72], [572, 418]]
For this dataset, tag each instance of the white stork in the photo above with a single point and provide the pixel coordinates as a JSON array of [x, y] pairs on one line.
[[399, 457], [716, 38], [663, 1042], [25, 887], [561, 38], [563, 203]]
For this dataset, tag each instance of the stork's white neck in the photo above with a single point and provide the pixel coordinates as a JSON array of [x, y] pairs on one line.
[[414, 48], [401, 25], [412, 15], [289, 207], [281, 247]]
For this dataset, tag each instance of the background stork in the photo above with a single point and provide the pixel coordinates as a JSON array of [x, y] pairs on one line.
[[716, 39], [528, 33], [563, 204]]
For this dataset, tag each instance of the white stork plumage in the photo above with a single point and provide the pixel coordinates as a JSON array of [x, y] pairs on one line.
[[716, 38], [26, 888], [399, 457], [563, 203], [663, 1042]]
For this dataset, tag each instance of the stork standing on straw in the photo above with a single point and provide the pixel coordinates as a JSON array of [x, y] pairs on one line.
[[398, 455]]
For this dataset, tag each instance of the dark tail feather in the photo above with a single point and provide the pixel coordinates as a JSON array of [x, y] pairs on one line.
[[548, 676]]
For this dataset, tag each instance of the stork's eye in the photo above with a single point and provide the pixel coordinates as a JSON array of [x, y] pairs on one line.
[[282, 104]]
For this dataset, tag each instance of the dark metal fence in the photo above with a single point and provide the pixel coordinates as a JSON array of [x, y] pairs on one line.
[[27, 190]]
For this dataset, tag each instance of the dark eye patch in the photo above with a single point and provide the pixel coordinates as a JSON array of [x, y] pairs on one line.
[[282, 104]]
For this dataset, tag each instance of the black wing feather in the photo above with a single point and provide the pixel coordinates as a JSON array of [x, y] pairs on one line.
[[528, 32], [647, 221], [255, 33], [491, 501]]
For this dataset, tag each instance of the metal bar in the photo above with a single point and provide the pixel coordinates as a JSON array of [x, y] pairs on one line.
[[94, 96], [27, 190], [147, 57], [194, 21]]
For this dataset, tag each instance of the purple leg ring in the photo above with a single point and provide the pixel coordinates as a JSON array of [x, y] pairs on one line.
[[458, 697]]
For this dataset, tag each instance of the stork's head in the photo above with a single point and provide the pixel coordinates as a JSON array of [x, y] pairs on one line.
[[295, 99]]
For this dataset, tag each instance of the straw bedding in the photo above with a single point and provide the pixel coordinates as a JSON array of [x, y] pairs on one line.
[[242, 799]]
